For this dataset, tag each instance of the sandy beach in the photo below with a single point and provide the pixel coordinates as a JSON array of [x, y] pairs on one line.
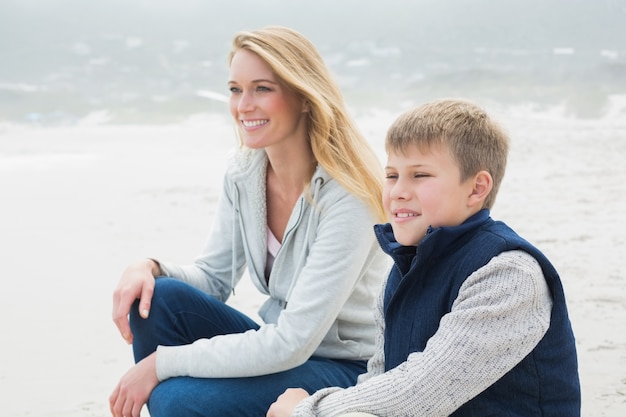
[[79, 203]]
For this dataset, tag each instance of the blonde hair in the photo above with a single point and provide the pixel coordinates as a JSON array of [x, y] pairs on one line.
[[337, 144], [475, 141]]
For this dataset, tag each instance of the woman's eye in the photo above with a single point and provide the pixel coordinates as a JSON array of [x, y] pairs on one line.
[[234, 90], [262, 88]]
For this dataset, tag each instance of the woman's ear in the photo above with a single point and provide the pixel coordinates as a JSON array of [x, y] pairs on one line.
[[483, 183]]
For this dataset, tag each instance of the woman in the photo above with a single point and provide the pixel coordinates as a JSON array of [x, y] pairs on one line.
[[299, 201]]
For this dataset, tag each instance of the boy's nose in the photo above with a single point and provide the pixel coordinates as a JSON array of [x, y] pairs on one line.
[[399, 191]]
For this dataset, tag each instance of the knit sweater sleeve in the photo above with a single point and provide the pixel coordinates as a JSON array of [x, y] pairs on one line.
[[376, 364], [502, 311]]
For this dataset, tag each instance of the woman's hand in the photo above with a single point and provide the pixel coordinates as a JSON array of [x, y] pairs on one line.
[[134, 389], [286, 402], [137, 282]]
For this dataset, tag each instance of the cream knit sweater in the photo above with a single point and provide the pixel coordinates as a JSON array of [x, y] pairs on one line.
[[502, 311]]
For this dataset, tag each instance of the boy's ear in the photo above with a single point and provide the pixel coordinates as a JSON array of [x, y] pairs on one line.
[[483, 183]]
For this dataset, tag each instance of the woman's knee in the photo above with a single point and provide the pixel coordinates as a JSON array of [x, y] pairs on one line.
[[166, 288], [162, 287], [158, 328], [167, 291]]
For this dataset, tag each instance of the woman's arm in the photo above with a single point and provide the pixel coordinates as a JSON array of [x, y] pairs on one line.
[[343, 251]]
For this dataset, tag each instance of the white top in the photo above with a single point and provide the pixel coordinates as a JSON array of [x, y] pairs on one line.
[[272, 249]]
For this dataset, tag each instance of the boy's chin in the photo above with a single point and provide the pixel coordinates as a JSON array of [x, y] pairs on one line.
[[408, 240]]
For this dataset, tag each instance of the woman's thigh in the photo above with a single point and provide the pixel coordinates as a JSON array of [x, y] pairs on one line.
[[252, 396], [181, 314]]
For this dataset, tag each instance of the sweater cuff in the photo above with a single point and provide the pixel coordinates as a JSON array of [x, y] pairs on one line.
[[306, 406], [169, 362]]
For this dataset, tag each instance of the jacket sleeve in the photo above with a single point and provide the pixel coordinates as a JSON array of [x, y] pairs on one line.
[[501, 313], [343, 252]]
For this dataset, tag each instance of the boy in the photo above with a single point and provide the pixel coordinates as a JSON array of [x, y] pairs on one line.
[[473, 319]]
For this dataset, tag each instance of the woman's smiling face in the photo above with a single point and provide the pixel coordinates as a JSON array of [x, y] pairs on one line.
[[267, 112]]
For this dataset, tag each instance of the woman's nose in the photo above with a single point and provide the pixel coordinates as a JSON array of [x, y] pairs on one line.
[[246, 103]]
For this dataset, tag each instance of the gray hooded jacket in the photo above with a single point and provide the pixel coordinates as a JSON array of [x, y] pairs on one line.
[[321, 289]]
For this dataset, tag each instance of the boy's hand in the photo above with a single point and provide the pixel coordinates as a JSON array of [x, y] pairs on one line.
[[286, 402]]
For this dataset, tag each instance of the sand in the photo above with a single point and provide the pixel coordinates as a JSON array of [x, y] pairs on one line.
[[79, 203]]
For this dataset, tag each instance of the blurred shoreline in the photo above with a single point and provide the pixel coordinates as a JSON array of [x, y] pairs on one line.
[[144, 62]]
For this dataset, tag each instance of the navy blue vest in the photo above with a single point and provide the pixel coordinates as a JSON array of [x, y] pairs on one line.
[[424, 283]]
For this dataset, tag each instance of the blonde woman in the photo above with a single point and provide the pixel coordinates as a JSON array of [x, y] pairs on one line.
[[299, 201]]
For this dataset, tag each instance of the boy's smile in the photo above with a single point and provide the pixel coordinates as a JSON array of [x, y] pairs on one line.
[[423, 188]]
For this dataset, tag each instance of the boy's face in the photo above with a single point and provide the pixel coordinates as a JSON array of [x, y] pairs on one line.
[[423, 188]]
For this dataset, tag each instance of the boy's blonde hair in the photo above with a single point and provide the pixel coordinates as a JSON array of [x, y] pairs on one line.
[[475, 141], [337, 144]]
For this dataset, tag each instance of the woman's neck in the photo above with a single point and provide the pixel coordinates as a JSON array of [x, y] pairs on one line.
[[291, 168], [287, 175]]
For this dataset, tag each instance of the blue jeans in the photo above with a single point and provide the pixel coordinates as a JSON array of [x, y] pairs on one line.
[[181, 314]]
